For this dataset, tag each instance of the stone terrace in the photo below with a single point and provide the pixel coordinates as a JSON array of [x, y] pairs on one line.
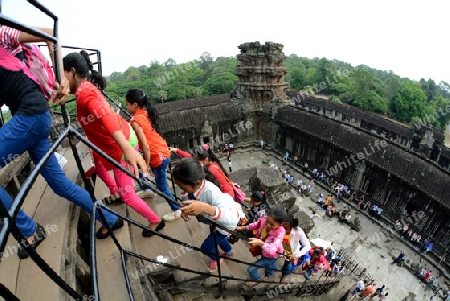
[[374, 246]]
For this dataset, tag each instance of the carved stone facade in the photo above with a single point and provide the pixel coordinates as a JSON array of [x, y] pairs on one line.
[[261, 72], [388, 168], [427, 142], [213, 119]]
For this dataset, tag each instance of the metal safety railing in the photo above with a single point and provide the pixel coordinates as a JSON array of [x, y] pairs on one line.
[[8, 216]]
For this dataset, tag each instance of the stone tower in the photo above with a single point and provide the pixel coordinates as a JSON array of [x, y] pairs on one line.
[[261, 73]]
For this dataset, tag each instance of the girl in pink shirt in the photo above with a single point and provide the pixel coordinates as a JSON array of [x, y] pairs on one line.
[[270, 240]]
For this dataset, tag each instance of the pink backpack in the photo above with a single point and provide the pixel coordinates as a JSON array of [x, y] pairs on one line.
[[36, 67]]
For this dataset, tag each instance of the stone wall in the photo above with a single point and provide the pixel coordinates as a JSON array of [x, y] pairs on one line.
[[389, 174]]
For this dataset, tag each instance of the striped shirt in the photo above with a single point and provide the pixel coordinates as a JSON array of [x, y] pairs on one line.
[[10, 39]]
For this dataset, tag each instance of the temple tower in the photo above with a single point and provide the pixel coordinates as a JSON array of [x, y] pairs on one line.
[[261, 71]]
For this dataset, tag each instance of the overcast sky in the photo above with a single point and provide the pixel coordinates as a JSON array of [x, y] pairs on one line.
[[408, 37]]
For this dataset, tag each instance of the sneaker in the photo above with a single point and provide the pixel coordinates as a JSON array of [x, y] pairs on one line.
[[213, 265], [225, 255], [39, 237], [144, 194], [171, 216]]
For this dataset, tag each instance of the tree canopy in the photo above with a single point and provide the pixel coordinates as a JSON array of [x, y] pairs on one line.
[[370, 89]]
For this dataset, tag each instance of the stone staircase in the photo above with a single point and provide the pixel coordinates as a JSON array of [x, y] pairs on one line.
[[66, 251]]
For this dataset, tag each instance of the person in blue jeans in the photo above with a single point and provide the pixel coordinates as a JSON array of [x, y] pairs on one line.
[[145, 122], [28, 130]]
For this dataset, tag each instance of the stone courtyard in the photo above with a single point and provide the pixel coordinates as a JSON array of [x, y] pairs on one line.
[[374, 246]]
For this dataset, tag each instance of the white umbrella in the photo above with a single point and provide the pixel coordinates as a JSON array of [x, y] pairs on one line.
[[319, 242]]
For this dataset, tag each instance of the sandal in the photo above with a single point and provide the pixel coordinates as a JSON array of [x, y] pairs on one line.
[[117, 225], [213, 265], [248, 286], [39, 236], [148, 233], [225, 255], [108, 201]]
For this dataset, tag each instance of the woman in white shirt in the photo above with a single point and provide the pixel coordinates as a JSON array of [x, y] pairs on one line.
[[296, 246]]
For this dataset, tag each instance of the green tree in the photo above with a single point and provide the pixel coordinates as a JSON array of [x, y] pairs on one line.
[[296, 77], [339, 88], [205, 60], [220, 83], [335, 99], [323, 74], [409, 102], [132, 74], [371, 101], [170, 64]]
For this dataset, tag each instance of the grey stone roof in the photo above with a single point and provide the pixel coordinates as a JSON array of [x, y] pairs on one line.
[[419, 173]]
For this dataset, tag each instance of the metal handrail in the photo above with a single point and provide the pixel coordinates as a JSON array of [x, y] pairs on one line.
[[9, 216]]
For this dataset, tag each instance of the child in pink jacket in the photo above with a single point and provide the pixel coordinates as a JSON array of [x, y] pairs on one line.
[[270, 241]]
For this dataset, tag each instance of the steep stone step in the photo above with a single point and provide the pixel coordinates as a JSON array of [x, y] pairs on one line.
[[109, 264], [198, 232], [10, 261], [176, 254], [54, 214]]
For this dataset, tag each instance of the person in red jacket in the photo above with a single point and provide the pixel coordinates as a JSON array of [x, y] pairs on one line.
[[206, 157], [109, 132], [317, 262]]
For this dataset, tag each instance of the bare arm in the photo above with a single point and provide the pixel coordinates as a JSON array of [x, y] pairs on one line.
[[142, 141], [131, 155], [24, 37], [197, 207]]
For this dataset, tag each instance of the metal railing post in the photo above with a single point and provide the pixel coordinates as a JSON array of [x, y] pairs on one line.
[[214, 233]]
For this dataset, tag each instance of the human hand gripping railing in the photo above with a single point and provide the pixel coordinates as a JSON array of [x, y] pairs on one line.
[[145, 182], [163, 236]]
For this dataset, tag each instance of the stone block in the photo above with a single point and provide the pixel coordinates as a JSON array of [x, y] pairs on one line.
[[269, 180], [355, 224], [305, 222]]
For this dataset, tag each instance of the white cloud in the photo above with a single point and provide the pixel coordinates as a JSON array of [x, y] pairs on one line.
[[406, 37]]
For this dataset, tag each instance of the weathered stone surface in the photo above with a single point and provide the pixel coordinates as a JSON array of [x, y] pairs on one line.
[[355, 224], [305, 222], [269, 180], [261, 73], [242, 177]]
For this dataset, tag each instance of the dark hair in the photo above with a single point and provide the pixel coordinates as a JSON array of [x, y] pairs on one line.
[[210, 177], [143, 101], [257, 196], [200, 153], [278, 214], [188, 171], [317, 252], [83, 66], [292, 220], [295, 222]]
